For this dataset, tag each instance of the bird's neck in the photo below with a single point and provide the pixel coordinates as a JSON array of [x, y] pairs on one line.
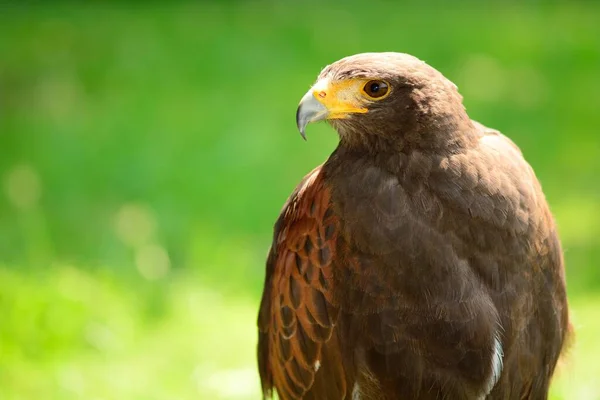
[[438, 135]]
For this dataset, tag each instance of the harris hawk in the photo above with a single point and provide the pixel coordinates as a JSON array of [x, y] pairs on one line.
[[420, 261]]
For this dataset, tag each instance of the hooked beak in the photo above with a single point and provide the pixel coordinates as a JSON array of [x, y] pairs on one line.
[[309, 110], [329, 100]]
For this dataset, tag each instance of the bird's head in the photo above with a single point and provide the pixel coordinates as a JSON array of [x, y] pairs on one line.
[[383, 99]]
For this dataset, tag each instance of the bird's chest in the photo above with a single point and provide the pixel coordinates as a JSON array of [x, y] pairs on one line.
[[416, 235], [383, 212], [430, 200]]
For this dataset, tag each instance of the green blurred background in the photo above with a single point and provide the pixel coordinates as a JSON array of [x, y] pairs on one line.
[[146, 150]]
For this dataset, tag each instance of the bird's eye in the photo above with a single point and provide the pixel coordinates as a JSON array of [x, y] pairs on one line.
[[376, 89]]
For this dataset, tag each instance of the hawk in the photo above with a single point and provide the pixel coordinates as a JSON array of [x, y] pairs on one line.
[[420, 261]]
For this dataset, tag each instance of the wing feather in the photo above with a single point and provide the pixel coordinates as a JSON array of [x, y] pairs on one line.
[[297, 347]]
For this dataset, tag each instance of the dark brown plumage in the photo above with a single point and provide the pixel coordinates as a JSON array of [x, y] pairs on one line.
[[420, 261]]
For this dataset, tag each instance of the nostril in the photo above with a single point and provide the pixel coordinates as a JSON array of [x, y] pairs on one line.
[[322, 94]]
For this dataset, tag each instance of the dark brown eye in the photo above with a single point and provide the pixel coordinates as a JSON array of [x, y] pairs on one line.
[[376, 89]]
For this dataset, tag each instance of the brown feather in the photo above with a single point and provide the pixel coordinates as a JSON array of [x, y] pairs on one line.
[[299, 300]]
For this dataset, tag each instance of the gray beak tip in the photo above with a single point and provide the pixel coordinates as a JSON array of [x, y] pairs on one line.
[[300, 123], [309, 110]]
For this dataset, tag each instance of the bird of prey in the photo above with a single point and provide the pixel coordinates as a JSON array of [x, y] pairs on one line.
[[420, 261]]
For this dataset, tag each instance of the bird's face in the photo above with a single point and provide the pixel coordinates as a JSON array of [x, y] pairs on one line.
[[374, 97], [354, 89], [331, 99]]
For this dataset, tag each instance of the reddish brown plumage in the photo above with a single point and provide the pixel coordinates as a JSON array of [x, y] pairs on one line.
[[419, 256], [298, 314]]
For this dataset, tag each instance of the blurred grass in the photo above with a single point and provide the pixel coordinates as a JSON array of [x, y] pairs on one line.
[[70, 333], [145, 152]]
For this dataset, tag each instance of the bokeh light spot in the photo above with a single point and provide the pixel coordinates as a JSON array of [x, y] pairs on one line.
[[152, 261], [482, 78], [22, 186], [135, 224]]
